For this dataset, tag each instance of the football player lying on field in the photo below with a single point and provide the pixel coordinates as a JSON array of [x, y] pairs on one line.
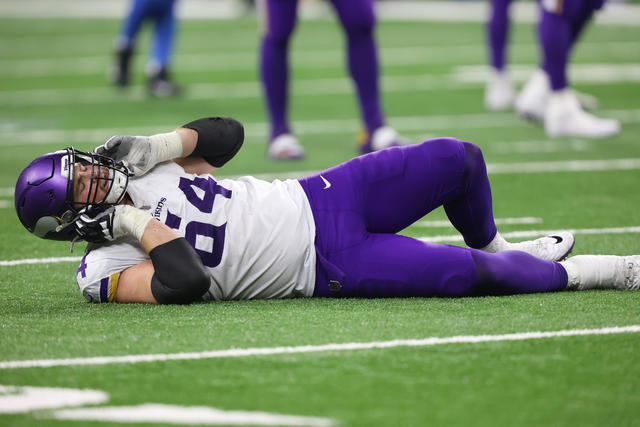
[[162, 230]]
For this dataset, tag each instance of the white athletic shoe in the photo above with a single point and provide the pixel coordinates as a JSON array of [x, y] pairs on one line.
[[385, 137], [552, 248], [603, 272], [285, 147], [499, 93], [565, 117], [531, 102]]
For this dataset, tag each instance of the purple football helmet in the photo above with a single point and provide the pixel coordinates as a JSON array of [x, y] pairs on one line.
[[44, 192]]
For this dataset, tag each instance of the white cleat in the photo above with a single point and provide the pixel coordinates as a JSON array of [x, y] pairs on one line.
[[383, 137], [499, 94], [565, 117], [531, 102], [285, 147], [603, 272], [552, 248]]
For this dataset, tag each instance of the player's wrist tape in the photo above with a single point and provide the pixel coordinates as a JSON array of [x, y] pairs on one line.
[[168, 146], [180, 277], [219, 139], [128, 220]]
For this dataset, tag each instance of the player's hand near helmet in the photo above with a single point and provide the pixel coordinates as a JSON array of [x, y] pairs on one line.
[[142, 153], [113, 223]]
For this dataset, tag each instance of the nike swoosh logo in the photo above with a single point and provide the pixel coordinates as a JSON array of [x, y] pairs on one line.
[[327, 184], [558, 239]]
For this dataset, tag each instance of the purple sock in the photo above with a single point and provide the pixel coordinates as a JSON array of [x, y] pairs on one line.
[[515, 272], [498, 32], [358, 19], [281, 20]]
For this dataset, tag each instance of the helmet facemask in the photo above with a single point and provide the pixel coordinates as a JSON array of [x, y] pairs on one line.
[[117, 178]]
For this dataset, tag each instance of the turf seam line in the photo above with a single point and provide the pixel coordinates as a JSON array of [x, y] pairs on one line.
[[268, 351]]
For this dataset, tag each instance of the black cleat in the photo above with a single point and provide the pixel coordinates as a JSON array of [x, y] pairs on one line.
[[120, 75], [160, 85]]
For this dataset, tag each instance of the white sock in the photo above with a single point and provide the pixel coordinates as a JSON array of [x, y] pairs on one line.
[[592, 271], [497, 244], [573, 274]]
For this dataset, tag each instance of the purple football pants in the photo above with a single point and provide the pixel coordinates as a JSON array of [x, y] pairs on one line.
[[358, 207], [357, 18], [558, 30], [498, 32]]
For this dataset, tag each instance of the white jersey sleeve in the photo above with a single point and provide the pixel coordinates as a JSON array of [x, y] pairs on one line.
[[101, 266]]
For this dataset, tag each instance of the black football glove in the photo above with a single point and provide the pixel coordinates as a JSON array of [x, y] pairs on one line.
[[97, 229]]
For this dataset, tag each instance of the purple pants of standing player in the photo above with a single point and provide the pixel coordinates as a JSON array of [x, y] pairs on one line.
[[558, 30], [498, 32], [358, 20], [359, 205]]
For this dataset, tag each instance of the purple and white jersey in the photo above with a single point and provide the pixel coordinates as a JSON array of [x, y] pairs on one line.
[[256, 238]]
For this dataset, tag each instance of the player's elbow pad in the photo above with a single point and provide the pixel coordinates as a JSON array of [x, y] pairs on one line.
[[219, 139], [180, 277]]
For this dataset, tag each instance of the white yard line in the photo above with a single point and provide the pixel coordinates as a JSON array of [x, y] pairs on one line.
[[16, 399], [498, 221], [53, 260], [586, 73], [256, 133], [581, 73], [174, 414], [537, 233], [269, 351], [314, 58], [543, 146]]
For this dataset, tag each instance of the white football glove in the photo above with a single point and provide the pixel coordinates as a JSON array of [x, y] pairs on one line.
[[142, 153], [113, 223]]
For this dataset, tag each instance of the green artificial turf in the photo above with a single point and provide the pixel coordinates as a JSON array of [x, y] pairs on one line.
[[587, 380]]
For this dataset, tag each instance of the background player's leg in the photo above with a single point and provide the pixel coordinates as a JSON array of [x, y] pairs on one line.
[[560, 25], [159, 81], [139, 11], [358, 20], [280, 19], [498, 32], [126, 41], [164, 33], [386, 265], [499, 92], [554, 32]]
